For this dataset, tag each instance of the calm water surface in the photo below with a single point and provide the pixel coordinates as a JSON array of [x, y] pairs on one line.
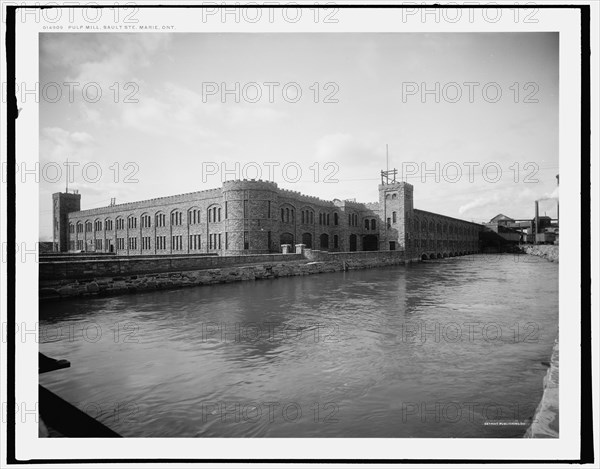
[[447, 348]]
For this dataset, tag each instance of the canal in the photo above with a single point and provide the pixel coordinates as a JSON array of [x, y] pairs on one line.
[[446, 348]]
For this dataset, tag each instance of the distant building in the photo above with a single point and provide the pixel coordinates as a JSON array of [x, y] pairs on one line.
[[502, 220]]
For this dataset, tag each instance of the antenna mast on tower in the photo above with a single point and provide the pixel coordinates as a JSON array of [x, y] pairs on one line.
[[387, 176]]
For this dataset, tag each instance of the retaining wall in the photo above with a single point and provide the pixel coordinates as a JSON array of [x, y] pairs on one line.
[[93, 268], [294, 265], [545, 420]]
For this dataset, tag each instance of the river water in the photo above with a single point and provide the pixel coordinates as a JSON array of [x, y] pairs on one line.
[[445, 348]]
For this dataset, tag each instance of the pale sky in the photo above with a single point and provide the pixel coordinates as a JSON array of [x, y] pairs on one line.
[[176, 126]]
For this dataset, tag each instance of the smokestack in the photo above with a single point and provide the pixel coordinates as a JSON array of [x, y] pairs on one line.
[[537, 217]]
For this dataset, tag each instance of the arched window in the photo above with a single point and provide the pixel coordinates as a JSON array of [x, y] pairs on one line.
[[176, 217], [98, 225], [131, 222], [108, 224], [373, 224], [88, 226], [366, 223], [120, 223], [146, 221], [282, 214], [71, 228], [394, 196], [161, 220]]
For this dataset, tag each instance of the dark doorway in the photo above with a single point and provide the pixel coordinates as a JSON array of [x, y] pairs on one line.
[[370, 243], [286, 238], [324, 241], [307, 240], [353, 242]]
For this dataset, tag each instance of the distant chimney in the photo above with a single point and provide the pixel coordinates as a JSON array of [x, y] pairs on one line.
[[537, 217]]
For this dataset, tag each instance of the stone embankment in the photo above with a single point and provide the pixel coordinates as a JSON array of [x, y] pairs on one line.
[[314, 262], [547, 251], [545, 420]]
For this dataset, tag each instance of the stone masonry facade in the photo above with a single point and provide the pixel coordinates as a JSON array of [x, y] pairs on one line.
[[257, 217]]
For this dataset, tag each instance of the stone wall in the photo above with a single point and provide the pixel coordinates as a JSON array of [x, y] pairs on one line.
[[83, 269], [546, 251], [274, 267], [545, 420]]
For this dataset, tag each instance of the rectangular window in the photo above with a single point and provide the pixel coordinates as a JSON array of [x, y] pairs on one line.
[[226, 240], [392, 245], [269, 209], [246, 242], [389, 222], [226, 211], [219, 240], [335, 241], [393, 217], [177, 243], [269, 241], [245, 209]]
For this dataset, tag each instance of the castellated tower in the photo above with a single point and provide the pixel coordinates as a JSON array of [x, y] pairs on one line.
[[396, 211], [251, 209], [62, 204]]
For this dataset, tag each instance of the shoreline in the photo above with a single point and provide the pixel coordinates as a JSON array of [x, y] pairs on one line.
[[545, 423]]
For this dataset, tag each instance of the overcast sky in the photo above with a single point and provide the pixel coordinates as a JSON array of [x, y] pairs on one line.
[[180, 120]]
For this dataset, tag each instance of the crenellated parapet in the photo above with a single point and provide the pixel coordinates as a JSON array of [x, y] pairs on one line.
[[249, 184], [150, 203]]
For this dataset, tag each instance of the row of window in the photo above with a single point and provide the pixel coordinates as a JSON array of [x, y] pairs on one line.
[[194, 242], [444, 228], [214, 215]]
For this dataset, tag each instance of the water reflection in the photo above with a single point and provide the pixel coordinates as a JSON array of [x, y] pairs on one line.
[[448, 348]]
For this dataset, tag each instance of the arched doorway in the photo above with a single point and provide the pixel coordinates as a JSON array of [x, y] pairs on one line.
[[307, 240], [352, 242], [324, 241], [286, 238], [370, 243]]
